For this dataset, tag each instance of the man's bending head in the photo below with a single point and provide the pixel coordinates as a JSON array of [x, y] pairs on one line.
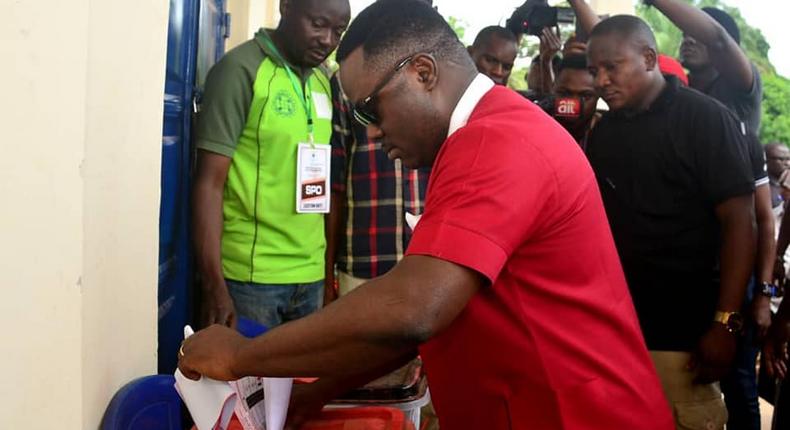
[[403, 68]]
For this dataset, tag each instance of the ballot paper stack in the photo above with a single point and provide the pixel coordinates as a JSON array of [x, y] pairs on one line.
[[258, 403]]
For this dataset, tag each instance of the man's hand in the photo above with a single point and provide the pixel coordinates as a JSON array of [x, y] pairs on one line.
[[211, 353], [761, 315], [307, 401], [775, 348], [714, 355], [574, 47], [217, 305], [550, 44]]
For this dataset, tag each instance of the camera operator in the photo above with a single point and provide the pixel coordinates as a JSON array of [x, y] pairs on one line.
[[537, 18], [574, 98]]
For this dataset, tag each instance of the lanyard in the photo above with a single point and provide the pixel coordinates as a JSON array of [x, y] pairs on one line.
[[303, 93], [304, 97]]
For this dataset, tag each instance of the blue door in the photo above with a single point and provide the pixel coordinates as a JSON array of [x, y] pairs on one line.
[[195, 41]]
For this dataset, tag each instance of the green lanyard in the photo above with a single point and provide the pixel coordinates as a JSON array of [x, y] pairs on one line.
[[304, 96]]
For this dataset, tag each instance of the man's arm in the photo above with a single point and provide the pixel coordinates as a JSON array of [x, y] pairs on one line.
[[340, 141], [727, 57], [212, 171], [738, 248], [738, 242], [550, 44], [375, 324], [766, 254], [585, 14], [333, 229], [775, 348]]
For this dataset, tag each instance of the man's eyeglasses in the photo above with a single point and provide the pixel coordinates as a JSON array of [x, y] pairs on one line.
[[364, 112]]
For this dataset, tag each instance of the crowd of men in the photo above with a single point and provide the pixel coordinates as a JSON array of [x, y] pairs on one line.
[[571, 268]]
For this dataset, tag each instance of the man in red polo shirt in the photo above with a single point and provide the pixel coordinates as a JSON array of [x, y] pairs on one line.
[[511, 288]]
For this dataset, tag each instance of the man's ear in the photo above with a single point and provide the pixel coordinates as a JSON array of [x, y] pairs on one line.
[[651, 59], [427, 70]]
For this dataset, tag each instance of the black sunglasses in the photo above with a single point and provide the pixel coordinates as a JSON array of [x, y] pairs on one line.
[[364, 111]]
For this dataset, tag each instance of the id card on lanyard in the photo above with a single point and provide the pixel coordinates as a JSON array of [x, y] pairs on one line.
[[312, 178], [312, 160]]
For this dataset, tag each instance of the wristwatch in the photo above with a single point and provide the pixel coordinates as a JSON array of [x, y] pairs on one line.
[[733, 321], [767, 289]]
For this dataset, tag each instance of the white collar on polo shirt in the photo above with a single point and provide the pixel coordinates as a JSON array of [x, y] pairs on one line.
[[480, 85]]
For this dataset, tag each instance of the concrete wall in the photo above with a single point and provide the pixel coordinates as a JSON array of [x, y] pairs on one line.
[[79, 181]]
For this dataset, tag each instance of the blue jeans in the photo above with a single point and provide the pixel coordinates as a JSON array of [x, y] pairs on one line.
[[275, 304], [740, 386]]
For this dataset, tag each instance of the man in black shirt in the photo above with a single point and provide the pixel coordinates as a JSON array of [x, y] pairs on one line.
[[719, 68], [678, 189]]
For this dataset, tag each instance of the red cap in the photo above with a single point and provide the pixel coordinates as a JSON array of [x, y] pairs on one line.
[[671, 66]]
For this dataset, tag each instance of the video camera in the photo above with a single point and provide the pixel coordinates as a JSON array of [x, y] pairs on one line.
[[535, 15]]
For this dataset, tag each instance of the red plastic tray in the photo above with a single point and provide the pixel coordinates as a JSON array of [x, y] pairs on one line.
[[366, 418]]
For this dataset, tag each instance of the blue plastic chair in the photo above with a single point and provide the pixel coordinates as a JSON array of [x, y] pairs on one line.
[[250, 328], [147, 403], [151, 402]]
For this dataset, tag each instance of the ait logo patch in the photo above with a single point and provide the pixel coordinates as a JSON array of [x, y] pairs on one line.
[[284, 103]]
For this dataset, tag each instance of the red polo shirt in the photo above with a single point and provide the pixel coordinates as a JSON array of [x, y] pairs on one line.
[[553, 342]]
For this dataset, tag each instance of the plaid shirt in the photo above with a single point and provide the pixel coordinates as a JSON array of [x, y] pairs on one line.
[[378, 192]]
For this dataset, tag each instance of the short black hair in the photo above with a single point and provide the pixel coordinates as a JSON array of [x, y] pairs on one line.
[[574, 62], [494, 31], [628, 27], [390, 30], [725, 20]]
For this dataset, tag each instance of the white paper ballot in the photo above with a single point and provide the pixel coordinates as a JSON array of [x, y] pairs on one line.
[[209, 402], [412, 220], [277, 395], [259, 403]]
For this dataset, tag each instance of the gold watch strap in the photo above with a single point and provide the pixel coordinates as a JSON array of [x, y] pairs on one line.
[[722, 317]]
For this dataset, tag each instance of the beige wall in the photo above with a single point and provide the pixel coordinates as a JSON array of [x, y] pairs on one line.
[[239, 11], [247, 16], [81, 118]]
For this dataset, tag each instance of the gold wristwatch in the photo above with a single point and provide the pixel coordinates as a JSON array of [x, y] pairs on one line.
[[733, 321]]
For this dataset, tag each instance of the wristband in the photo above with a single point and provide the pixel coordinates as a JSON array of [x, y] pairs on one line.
[[767, 289]]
